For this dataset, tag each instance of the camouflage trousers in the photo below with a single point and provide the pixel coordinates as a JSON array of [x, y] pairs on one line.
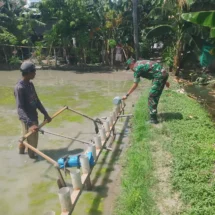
[[155, 93]]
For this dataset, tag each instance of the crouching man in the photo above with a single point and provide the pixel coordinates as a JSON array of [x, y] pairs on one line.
[[151, 71]]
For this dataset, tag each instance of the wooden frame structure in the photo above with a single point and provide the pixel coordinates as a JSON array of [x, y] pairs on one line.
[[85, 177]]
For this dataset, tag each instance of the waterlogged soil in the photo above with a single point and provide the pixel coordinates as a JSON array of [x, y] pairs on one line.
[[29, 186]]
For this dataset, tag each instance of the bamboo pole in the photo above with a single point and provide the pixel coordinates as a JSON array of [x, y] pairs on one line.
[[43, 123], [65, 199], [37, 151], [76, 179], [107, 126], [102, 134], [98, 142], [85, 165], [50, 160], [70, 109]]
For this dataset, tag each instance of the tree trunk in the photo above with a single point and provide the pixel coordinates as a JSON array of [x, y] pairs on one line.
[[6, 60], [112, 50], [103, 54], [55, 56], [106, 53], [177, 58], [84, 56], [135, 24]]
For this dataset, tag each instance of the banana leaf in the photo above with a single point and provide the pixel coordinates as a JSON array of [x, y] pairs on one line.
[[212, 33], [204, 18], [159, 30], [190, 2]]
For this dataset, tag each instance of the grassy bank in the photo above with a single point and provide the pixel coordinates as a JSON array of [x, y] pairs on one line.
[[138, 179], [186, 135]]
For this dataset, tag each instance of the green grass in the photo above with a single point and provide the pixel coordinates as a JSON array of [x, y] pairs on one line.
[[191, 143], [187, 133], [137, 177]]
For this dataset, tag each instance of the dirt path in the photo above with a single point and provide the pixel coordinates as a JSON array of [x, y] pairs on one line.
[[29, 187], [167, 200]]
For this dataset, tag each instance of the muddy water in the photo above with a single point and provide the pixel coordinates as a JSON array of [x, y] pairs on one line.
[[28, 187], [205, 96]]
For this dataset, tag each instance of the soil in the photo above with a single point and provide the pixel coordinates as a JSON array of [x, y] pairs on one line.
[[168, 201], [29, 186]]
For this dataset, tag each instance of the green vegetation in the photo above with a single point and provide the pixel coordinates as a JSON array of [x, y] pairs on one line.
[[187, 133], [5, 206], [137, 177], [41, 194], [90, 103], [6, 96], [53, 98], [91, 202], [191, 144], [10, 125], [56, 97], [103, 171], [113, 86], [88, 31], [10, 120]]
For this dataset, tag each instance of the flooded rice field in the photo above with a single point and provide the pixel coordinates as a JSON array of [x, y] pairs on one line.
[[29, 186]]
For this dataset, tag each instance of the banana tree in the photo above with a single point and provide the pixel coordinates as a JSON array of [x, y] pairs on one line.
[[206, 19], [167, 20], [9, 13], [109, 30], [9, 32]]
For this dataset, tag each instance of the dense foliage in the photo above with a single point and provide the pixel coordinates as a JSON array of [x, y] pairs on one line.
[[82, 31]]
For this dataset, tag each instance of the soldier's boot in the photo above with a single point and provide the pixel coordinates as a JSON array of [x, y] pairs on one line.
[[153, 119]]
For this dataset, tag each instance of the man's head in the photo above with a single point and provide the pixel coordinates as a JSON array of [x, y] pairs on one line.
[[130, 62], [28, 70]]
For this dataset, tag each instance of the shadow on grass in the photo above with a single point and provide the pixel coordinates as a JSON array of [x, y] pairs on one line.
[[170, 116]]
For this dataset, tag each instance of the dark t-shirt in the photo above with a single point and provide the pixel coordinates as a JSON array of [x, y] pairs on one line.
[[27, 102]]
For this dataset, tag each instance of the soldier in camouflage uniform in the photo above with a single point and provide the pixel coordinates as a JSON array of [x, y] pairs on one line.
[[152, 71]]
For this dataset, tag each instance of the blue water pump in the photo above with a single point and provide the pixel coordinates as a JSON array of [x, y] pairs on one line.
[[74, 161]]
